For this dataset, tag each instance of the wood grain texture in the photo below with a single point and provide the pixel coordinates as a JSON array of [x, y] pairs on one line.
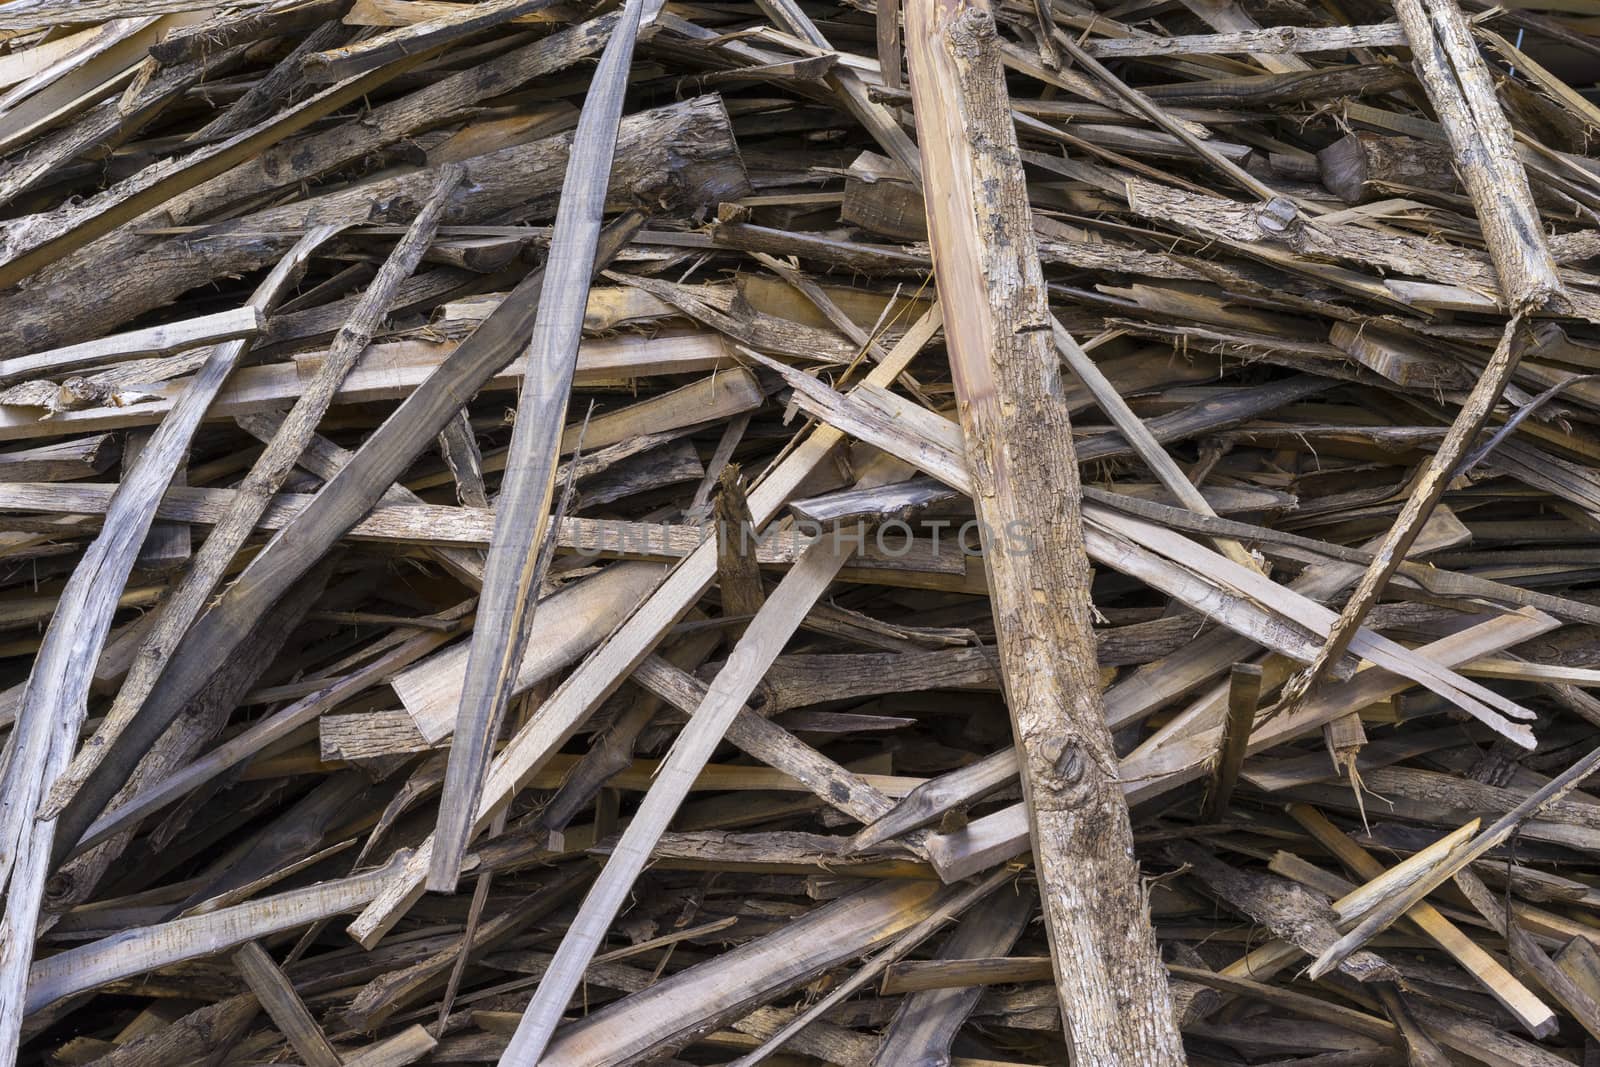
[[1109, 978]]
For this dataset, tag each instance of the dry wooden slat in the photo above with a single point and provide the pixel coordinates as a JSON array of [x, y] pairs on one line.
[[1516, 997], [1402, 900], [279, 1000], [55, 702], [1244, 698], [154, 341], [512, 573]]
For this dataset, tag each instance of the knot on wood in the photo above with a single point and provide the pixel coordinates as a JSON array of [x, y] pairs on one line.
[[60, 891], [972, 35], [1066, 767], [1276, 215]]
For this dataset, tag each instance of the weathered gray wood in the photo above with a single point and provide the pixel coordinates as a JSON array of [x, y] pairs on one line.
[[184, 604], [55, 702], [279, 1000], [341, 503], [599, 675], [926, 1022], [512, 574], [779, 617]]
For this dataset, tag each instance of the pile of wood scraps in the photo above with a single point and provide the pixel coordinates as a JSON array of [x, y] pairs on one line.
[[998, 534]]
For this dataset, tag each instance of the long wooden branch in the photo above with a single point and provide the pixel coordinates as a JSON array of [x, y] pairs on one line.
[[1109, 977], [56, 700], [183, 605], [512, 573], [1462, 92]]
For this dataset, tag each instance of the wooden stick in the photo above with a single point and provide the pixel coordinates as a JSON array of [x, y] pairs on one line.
[[949, 909], [184, 604], [1244, 697], [280, 1001], [1398, 903], [1004, 834], [55, 702], [779, 617], [512, 575], [406, 1047], [403, 41], [926, 1022], [154, 947], [1501, 983], [1109, 978], [1139, 436], [235, 324]]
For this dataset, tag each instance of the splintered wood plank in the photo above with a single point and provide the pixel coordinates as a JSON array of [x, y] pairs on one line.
[[696, 1001], [772, 627], [1004, 834], [279, 1000], [927, 1022], [1109, 978], [152, 341], [576, 618], [1403, 898], [1501, 984], [101, 962], [599, 675], [513, 571], [56, 700]]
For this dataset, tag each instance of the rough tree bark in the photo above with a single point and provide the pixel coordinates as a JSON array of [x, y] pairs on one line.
[[1112, 986]]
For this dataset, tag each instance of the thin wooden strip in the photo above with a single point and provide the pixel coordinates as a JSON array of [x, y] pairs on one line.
[[512, 573], [599, 675], [1398, 903], [1002, 835], [279, 1000], [406, 1047], [1501, 983], [38, 242], [1274, 40], [950, 909], [1208, 581], [382, 48], [153, 947], [926, 1023], [55, 702], [235, 324], [772, 627], [386, 371], [1138, 434], [695, 1001], [1461, 89], [1244, 695]]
